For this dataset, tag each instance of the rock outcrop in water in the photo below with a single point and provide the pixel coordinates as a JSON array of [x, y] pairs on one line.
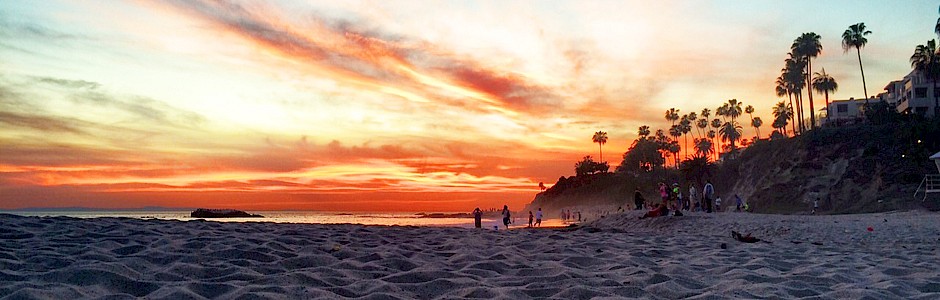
[[222, 213]]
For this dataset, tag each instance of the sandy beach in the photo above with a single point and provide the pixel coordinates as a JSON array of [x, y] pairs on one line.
[[618, 256]]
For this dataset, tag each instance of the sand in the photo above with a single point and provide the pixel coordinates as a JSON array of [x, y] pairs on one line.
[[614, 257]]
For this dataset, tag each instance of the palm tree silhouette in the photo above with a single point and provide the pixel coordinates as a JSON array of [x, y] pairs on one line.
[[854, 37], [685, 126], [782, 113], [793, 74], [750, 113], [600, 138], [783, 87], [927, 61], [643, 131], [703, 147], [808, 46], [672, 115], [756, 123], [711, 137], [716, 124], [823, 83], [675, 131], [730, 132]]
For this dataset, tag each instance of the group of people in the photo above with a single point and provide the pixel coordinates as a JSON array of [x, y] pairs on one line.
[[673, 199], [535, 220]]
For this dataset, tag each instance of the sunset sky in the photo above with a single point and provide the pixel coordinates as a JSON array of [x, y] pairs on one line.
[[384, 105]]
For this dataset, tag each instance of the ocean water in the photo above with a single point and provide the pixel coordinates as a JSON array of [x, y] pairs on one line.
[[371, 218]]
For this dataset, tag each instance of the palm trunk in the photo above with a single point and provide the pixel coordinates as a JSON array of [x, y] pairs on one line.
[[792, 121], [936, 101], [686, 138], [601, 150], [799, 111], [809, 80], [864, 88], [828, 117]]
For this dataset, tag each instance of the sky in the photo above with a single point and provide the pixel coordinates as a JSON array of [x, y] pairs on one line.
[[384, 105]]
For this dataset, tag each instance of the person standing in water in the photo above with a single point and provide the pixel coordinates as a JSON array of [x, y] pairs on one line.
[[506, 216], [478, 218]]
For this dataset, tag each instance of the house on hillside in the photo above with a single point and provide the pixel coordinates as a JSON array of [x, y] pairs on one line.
[[844, 111], [916, 95]]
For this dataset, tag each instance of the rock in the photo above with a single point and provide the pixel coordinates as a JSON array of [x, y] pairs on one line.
[[221, 213]]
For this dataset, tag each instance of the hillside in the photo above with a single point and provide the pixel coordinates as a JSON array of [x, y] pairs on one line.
[[855, 169]]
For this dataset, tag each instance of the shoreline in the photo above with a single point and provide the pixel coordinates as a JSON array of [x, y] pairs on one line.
[[617, 256]]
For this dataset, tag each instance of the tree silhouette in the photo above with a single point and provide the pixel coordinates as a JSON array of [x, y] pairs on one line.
[[783, 87], [793, 73], [854, 37], [782, 113], [823, 83], [756, 123], [808, 47], [643, 131], [600, 138], [731, 132]]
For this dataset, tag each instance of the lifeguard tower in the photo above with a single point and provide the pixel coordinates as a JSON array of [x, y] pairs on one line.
[[931, 182]]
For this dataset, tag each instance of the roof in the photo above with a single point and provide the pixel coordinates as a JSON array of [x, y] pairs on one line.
[[935, 156]]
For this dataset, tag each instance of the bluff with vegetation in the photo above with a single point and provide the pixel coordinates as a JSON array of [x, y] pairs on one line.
[[851, 169]]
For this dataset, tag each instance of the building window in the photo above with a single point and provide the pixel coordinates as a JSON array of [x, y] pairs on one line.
[[920, 92], [842, 108]]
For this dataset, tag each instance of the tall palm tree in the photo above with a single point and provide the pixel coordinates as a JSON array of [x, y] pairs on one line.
[[808, 46], [685, 126], [733, 109], [793, 74], [782, 113], [927, 60], [662, 141], [711, 137], [784, 87], [731, 132], [702, 124], [854, 37], [716, 124], [823, 83], [750, 113], [756, 123], [600, 138]]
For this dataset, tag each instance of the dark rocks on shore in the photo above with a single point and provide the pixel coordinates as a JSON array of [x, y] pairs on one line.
[[222, 213]]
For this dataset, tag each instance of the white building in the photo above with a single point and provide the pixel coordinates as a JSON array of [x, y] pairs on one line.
[[916, 94], [844, 111]]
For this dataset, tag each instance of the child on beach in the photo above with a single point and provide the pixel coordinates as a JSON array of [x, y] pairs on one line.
[[531, 218], [718, 204]]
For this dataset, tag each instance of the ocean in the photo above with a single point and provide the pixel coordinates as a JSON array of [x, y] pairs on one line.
[[314, 217]]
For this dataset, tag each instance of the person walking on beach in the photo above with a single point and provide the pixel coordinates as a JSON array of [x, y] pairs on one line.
[[664, 193], [708, 192], [538, 217], [531, 218], [506, 216], [693, 196], [815, 205], [478, 217], [740, 203], [638, 199]]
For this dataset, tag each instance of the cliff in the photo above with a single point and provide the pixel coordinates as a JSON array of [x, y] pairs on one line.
[[855, 169]]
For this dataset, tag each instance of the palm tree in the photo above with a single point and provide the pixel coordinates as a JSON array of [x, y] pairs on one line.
[[854, 37], [662, 141], [716, 123], [734, 109], [703, 147], [808, 46], [702, 124], [756, 123], [782, 113], [927, 60], [600, 138], [685, 126], [675, 131], [784, 87], [643, 131], [672, 115], [793, 74], [750, 112], [823, 83], [731, 132], [711, 137]]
